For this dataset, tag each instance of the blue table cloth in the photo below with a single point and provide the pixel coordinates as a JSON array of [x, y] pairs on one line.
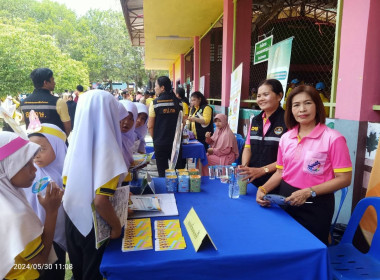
[[253, 243], [194, 149]]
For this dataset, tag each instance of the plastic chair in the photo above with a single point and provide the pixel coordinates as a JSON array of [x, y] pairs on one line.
[[240, 141], [344, 192], [349, 263]]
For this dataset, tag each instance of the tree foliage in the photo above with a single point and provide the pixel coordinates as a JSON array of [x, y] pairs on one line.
[[94, 47], [22, 51], [116, 58]]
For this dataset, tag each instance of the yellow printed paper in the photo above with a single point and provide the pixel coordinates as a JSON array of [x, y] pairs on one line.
[[137, 235], [137, 244], [170, 244], [168, 233], [139, 223], [166, 224], [138, 232]]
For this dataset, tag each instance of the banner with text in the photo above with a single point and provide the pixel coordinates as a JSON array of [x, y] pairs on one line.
[[279, 62], [233, 110]]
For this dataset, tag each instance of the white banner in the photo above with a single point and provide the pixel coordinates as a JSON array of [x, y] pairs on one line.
[[202, 85], [233, 109], [279, 62]]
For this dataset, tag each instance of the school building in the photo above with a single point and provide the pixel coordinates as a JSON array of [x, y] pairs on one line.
[[335, 42]]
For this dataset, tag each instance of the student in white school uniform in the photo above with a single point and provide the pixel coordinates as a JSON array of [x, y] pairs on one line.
[[25, 244], [130, 136], [94, 167], [49, 163], [141, 128], [127, 133]]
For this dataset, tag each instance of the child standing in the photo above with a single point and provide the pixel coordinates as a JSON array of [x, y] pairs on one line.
[[127, 132], [49, 163], [29, 243], [95, 145], [141, 128], [131, 134]]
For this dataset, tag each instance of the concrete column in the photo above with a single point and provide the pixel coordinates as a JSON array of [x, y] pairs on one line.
[[228, 22], [357, 86], [174, 83], [196, 63], [182, 63], [359, 62], [243, 42]]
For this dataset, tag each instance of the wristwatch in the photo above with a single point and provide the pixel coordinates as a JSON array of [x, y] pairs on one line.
[[313, 193], [266, 169]]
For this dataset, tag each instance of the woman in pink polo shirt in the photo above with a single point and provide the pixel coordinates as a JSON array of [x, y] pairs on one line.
[[313, 162]]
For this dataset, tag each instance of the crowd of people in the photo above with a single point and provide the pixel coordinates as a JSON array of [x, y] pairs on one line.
[[103, 137], [290, 152]]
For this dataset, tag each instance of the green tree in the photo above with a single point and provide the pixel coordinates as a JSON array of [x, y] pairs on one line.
[[99, 40], [116, 59], [22, 51]]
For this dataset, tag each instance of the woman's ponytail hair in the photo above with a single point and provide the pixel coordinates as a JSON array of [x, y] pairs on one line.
[[166, 83]]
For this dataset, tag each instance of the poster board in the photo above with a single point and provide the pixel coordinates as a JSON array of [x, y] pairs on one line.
[[235, 93], [279, 62], [177, 142], [202, 84]]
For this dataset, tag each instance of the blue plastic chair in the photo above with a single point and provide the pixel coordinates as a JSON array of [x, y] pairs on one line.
[[344, 192], [240, 141], [349, 263]]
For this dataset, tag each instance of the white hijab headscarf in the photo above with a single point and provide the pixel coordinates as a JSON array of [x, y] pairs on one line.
[[94, 155], [130, 136], [142, 130], [19, 224], [56, 138], [126, 138]]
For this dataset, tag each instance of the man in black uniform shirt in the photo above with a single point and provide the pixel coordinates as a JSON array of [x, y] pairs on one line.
[[49, 109]]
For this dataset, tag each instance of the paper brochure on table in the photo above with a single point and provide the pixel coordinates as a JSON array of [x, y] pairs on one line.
[[166, 224], [167, 203], [169, 244], [168, 235], [137, 235], [144, 203], [119, 202]]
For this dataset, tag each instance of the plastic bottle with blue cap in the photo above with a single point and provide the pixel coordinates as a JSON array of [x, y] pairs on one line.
[[233, 187]]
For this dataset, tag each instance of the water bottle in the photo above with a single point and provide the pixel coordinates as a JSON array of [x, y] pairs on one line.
[[233, 188]]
